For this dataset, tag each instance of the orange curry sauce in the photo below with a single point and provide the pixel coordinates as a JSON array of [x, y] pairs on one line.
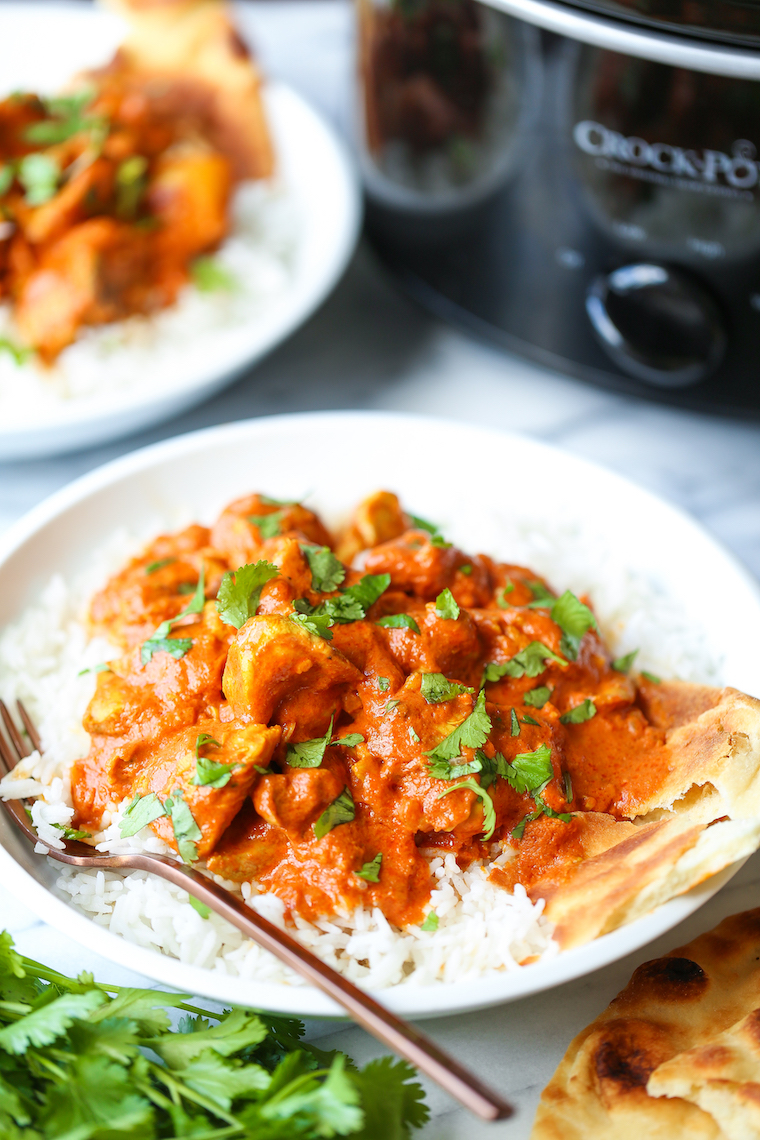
[[536, 725]]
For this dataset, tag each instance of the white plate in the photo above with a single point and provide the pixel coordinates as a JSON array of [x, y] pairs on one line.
[[41, 47], [478, 485]]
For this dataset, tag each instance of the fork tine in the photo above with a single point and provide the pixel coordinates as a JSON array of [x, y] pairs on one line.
[[13, 733], [30, 727]]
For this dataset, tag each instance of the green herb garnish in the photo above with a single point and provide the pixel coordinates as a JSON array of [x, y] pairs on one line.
[[159, 564], [316, 624], [582, 712], [623, 664], [538, 697], [529, 662], [210, 276], [383, 684], [38, 174], [471, 733], [446, 606], [530, 771], [398, 621], [431, 922], [651, 677], [177, 646], [72, 833], [370, 872], [501, 597], [489, 812], [327, 572], [240, 593], [436, 688], [186, 830], [574, 619], [514, 723], [20, 355], [268, 526], [341, 810], [142, 811], [309, 753], [199, 906]]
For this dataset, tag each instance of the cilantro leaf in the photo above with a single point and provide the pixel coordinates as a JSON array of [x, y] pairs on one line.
[[494, 672], [398, 621], [370, 872], [333, 1106], [7, 175], [201, 740], [73, 833], [446, 606], [309, 753], [316, 624], [542, 598], [390, 705], [240, 593], [466, 569], [489, 812], [530, 661], [186, 830], [651, 677], [623, 664], [238, 1029], [203, 910], [222, 1081], [268, 526], [210, 276], [368, 589], [582, 712], [422, 524], [341, 810], [574, 619], [383, 684], [38, 174], [436, 688], [431, 922], [444, 770], [268, 501], [142, 811], [392, 1103], [42, 1026], [514, 723], [501, 597], [159, 564], [175, 646], [471, 733], [568, 782], [527, 719], [350, 741], [530, 771], [212, 773], [327, 571], [20, 355], [537, 697]]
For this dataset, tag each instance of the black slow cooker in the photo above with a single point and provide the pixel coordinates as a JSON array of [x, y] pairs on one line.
[[579, 182]]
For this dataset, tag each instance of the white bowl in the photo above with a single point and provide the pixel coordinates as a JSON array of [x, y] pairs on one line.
[[487, 490], [41, 47]]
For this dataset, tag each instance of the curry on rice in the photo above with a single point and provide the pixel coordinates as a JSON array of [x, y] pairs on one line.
[[318, 715]]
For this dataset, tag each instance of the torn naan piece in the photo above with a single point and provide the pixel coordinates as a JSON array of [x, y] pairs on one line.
[[671, 1005], [188, 57], [597, 873], [722, 1077]]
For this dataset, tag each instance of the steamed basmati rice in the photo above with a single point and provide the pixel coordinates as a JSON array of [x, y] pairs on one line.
[[482, 929]]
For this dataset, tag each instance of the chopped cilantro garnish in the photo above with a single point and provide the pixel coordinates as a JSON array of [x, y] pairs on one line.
[[186, 588], [529, 662], [73, 833], [517, 832], [316, 624], [38, 174], [268, 526], [651, 677], [538, 697], [390, 705], [341, 810], [353, 602], [528, 719], [327, 572], [175, 646], [494, 672], [623, 664], [466, 569], [383, 684], [350, 741], [582, 712], [568, 780], [210, 773], [20, 355], [446, 606], [501, 597], [444, 770], [210, 276], [436, 538], [186, 830], [309, 753], [514, 723], [201, 740], [131, 183], [159, 564], [67, 118], [103, 667], [413, 735], [471, 733], [542, 598], [436, 688], [142, 811], [7, 174], [489, 812], [240, 593], [398, 621], [370, 872], [574, 619], [431, 922], [201, 907], [268, 501], [530, 771]]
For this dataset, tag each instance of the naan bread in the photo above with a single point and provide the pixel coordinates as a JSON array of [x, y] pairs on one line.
[[671, 1005], [712, 765], [722, 1077], [190, 53]]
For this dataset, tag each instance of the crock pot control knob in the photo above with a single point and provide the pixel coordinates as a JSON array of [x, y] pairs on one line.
[[657, 324]]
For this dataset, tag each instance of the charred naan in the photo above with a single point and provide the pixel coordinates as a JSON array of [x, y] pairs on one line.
[[671, 1005]]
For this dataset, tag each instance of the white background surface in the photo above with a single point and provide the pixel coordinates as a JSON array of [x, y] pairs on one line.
[[370, 348]]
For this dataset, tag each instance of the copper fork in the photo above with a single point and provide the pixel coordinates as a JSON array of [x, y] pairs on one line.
[[398, 1035]]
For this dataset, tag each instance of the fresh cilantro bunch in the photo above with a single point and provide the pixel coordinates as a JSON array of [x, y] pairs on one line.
[[83, 1061]]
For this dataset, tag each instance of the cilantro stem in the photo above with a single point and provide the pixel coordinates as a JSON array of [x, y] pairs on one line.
[[294, 1085], [178, 1090], [17, 1007]]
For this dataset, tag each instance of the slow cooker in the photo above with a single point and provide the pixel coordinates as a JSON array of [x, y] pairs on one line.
[[580, 183]]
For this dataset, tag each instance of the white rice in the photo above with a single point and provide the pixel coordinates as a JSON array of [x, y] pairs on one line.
[[152, 354], [482, 929]]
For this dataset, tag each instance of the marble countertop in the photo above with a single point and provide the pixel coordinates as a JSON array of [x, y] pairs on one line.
[[368, 347]]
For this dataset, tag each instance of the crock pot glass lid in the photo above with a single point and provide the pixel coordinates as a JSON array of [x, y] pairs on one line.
[[722, 21]]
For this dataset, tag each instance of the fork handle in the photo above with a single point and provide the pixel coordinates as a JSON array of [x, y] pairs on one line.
[[400, 1036]]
